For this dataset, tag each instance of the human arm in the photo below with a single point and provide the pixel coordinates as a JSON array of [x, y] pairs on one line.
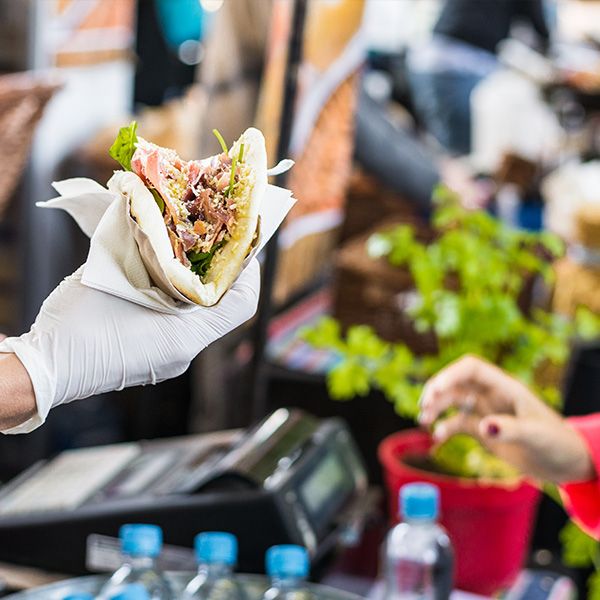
[[508, 418], [517, 426], [86, 342], [17, 400]]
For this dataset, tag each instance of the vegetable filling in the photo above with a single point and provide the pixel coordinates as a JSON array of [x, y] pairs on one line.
[[198, 199]]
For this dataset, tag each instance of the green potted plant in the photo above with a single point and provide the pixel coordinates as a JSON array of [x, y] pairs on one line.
[[468, 290], [581, 551]]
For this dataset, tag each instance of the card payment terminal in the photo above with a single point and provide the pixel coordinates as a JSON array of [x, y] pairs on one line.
[[291, 479]]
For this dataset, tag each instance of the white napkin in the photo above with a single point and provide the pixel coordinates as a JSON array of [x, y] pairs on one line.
[[114, 264]]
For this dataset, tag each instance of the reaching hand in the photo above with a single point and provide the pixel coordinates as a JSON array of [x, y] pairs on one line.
[[87, 342], [507, 418]]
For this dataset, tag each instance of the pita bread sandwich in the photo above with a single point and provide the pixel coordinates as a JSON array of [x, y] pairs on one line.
[[200, 217]]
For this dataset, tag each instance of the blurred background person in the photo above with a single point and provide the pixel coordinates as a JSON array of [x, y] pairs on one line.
[[444, 70]]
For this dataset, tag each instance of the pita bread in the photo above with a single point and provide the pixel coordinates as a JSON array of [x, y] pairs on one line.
[[227, 261]]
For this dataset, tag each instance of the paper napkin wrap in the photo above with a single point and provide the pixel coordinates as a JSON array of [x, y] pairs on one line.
[[121, 260]]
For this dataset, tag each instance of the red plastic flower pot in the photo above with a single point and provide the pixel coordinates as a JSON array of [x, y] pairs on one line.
[[489, 524]]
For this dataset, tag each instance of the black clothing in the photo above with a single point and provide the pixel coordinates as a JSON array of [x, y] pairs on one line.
[[485, 23], [393, 155]]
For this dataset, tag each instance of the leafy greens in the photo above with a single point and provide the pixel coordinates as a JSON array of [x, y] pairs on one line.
[[468, 282], [201, 260], [234, 164], [218, 135], [124, 146], [122, 151]]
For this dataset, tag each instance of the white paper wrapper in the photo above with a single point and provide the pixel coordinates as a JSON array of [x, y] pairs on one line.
[[121, 260]]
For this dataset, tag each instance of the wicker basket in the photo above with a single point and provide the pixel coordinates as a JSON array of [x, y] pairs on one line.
[[578, 280], [23, 97], [22, 100], [373, 292], [368, 203]]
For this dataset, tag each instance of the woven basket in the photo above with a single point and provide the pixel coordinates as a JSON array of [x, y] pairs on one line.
[[372, 292], [23, 97], [369, 203], [578, 284]]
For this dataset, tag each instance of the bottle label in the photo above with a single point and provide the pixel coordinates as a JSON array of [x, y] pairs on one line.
[[103, 555], [414, 578]]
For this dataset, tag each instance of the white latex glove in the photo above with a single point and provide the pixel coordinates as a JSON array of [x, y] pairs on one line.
[[86, 342]]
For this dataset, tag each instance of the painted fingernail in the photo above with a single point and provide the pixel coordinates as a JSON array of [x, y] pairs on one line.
[[493, 430]]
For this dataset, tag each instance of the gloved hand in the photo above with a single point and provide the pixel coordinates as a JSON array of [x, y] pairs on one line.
[[86, 342]]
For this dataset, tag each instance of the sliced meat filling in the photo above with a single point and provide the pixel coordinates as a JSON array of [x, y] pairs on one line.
[[200, 208]]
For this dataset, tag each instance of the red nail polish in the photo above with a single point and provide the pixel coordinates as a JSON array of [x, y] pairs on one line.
[[493, 430]]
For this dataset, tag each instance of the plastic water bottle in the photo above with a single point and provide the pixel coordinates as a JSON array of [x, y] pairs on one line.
[[133, 591], [80, 596], [418, 556], [141, 545], [288, 568], [216, 553]]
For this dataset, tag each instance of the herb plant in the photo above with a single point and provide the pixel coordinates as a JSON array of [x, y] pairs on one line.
[[468, 283], [583, 552], [467, 288]]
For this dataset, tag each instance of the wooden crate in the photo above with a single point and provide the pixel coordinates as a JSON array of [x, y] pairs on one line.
[[373, 292]]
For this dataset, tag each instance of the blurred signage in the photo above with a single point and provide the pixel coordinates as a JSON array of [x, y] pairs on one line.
[[322, 135], [79, 32], [334, 48]]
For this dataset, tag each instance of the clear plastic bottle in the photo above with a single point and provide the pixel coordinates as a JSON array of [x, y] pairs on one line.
[[133, 591], [216, 553], [141, 545], [288, 568], [417, 554], [80, 596]]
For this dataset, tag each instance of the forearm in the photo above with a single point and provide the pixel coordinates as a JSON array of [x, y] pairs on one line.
[[17, 399]]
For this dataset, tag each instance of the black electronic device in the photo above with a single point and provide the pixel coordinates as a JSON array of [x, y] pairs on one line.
[[541, 585], [291, 479]]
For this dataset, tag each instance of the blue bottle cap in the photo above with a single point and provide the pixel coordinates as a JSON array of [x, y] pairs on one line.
[[287, 561], [419, 501], [216, 547], [80, 596], [133, 591], [141, 540]]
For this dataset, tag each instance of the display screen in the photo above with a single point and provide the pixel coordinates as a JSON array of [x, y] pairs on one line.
[[320, 487]]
